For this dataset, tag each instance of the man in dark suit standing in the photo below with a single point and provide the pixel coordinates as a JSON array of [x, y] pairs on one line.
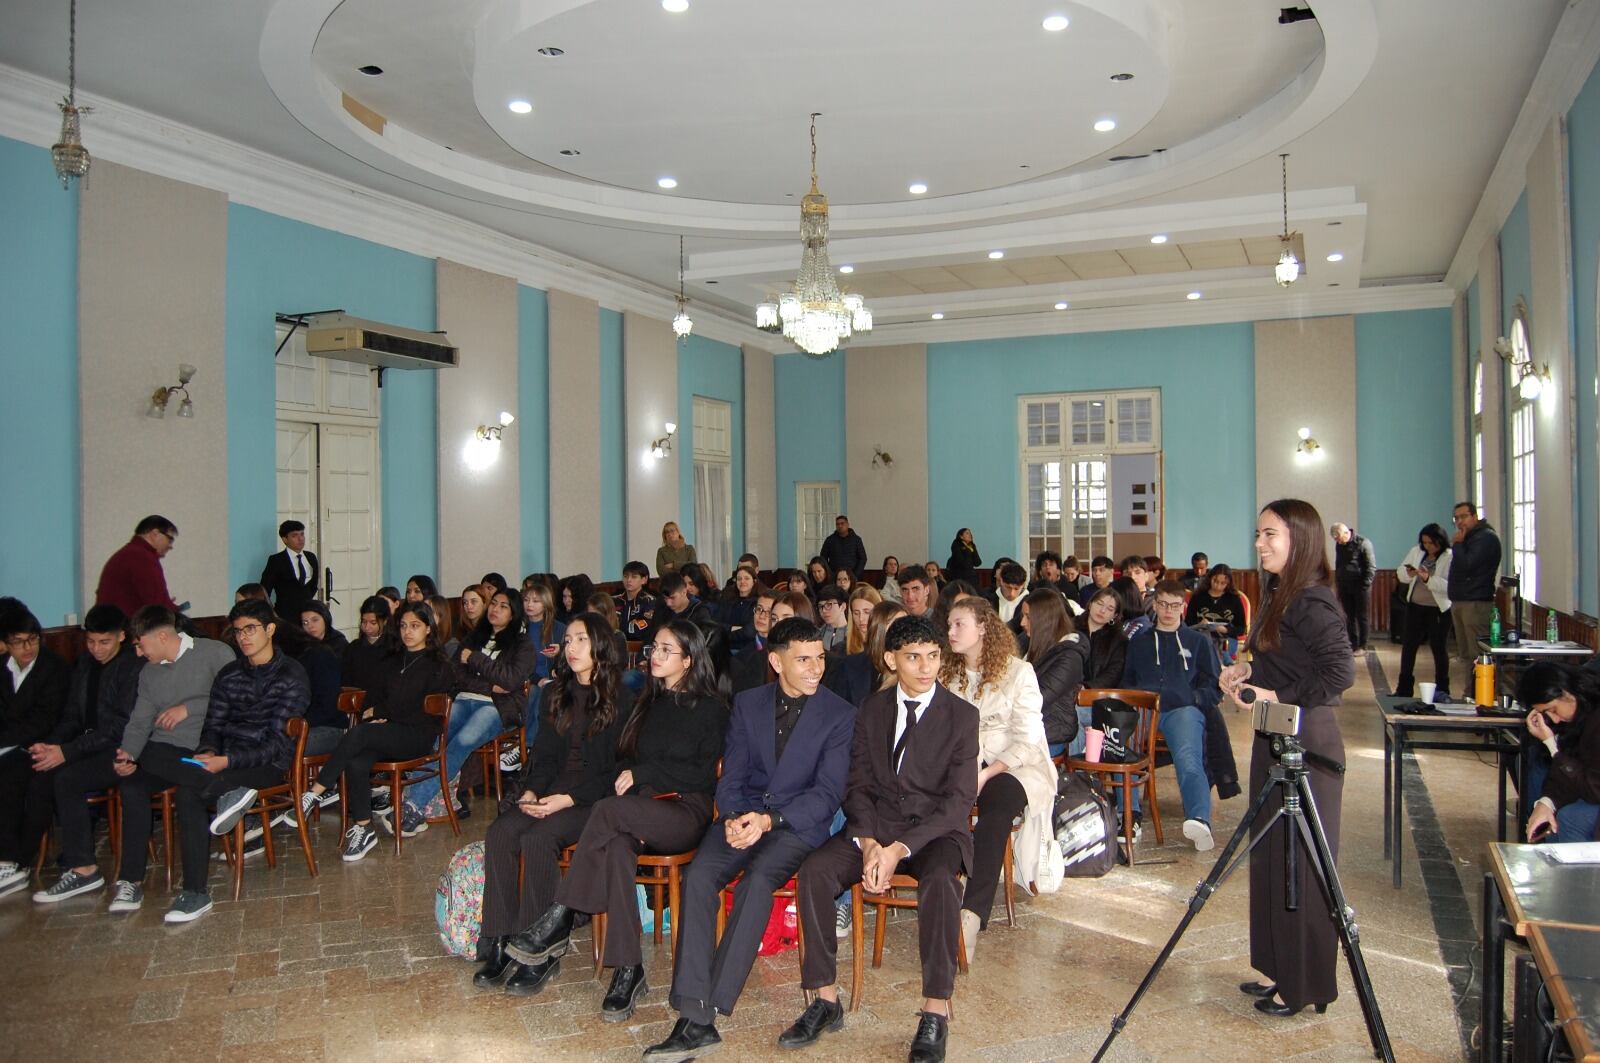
[[783, 775], [291, 574], [913, 779]]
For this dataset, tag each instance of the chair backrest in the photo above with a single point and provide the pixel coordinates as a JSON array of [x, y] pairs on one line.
[[436, 705], [352, 701], [298, 729], [1148, 705]]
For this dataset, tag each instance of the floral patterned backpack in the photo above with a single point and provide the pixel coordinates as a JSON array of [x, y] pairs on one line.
[[458, 904]]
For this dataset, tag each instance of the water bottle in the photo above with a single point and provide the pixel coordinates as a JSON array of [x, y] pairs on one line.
[[1494, 626], [1552, 631], [1483, 681]]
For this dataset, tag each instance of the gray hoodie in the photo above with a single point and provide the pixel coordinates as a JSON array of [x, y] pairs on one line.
[[185, 681]]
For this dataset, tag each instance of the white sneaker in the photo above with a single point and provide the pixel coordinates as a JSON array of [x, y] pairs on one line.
[[841, 921], [13, 877], [970, 925], [125, 896], [231, 808], [511, 760], [358, 842], [1199, 832]]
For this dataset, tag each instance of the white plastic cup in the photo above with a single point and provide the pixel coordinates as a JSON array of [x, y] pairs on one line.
[[1425, 691]]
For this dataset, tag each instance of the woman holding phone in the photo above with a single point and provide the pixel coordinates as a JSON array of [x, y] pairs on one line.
[[1301, 656], [1566, 772]]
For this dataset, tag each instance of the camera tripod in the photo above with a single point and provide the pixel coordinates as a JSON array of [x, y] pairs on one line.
[[1289, 775]]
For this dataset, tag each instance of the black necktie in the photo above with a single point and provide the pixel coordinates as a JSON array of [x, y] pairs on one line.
[[900, 746], [299, 573]]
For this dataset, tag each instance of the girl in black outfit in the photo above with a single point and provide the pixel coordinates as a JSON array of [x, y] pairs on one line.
[[361, 659], [572, 765], [664, 793], [1060, 657], [1108, 650], [420, 588], [399, 728], [964, 560], [1216, 608], [573, 597], [818, 575], [316, 621], [1301, 657]]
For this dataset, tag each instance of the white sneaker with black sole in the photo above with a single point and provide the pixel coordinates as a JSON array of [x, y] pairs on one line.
[[70, 884], [254, 845], [381, 798], [511, 761], [231, 807], [1199, 832], [187, 907], [126, 896], [358, 842], [13, 877]]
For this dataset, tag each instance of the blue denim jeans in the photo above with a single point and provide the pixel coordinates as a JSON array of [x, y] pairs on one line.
[[1575, 822], [472, 723], [1184, 728]]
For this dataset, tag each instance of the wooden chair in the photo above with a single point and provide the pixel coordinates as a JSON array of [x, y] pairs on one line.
[[490, 753], [402, 773], [271, 800], [107, 798], [859, 898], [1125, 778], [656, 872]]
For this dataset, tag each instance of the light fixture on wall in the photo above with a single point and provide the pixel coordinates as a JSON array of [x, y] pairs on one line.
[[70, 157], [162, 396], [682, 325], [660, 448], [1287, 271], [882, 458], [1308, 448], [1529, 380], [493, 432]]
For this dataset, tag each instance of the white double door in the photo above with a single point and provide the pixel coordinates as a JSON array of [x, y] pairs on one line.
[[328, 480]]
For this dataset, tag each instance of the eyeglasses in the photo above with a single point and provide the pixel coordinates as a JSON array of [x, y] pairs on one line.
[[1169, 605], [23, 642], [763, 612], [247, 629], [661, 649]]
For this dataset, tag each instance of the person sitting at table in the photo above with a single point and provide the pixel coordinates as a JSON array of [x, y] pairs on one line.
[[1565, 771]]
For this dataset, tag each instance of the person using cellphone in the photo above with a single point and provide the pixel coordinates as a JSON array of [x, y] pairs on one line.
[[1564, 768]]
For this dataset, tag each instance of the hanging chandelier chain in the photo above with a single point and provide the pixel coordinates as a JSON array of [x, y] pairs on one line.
[[814, 116], [680, 269], [72, 55], [1285, 161]]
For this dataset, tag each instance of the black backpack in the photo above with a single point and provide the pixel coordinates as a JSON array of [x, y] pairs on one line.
[[1085, 827]]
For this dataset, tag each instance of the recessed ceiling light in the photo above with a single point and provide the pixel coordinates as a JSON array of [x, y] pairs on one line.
[[847, 269], [1056, 23], [520, 107], [677, 7], [570, 152], [1193, 295], [1331, 224], [997, 254], [1121, 77], [1105, 125], [1061, 306], [917, 188], [937, 316], [370, 70], [551, 51], [666, 182], [1337, 256], [1159, 238]]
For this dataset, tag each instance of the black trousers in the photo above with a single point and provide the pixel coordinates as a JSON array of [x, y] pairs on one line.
[[707, 978], [21, 791], [515, 840], [1353, 599], [1001, 800], [603, 869], [1424, 622], [161, 766], [837, 865], [363, 746], [72, 783]]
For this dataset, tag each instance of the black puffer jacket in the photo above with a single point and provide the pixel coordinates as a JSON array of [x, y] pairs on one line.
[[1060, 670], [508, 670], [250, 707], [115, 692], [1108, 652]]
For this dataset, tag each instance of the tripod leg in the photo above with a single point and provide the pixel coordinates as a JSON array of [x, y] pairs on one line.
[[1225, 865], [1309, 823]]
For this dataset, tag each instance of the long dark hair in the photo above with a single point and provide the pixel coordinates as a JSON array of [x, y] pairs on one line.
[[423, 612], [698, 684], [1546, 681], [603, 681], [331, 634], [482, 636], [1215, 570], [1104, 592], [424, 584], [1307, 567], [580, 586], [1048, 622], [1436, 533]]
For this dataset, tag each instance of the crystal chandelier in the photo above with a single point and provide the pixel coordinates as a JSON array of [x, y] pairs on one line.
[[681, 325], [1287, 271], [815, 316], [71, 158]]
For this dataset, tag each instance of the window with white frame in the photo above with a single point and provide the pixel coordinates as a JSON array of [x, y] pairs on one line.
[[1477, 434], [713, 484], [1524, 531]]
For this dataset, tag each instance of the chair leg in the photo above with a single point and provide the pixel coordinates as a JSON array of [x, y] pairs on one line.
[[1155, 808], [447, 792], [44, 847], [1008, 870], [492, 771], [598, 923], [961, 948], [305, 839], [722, 913], [882, 913], [674, 895], [168, 833], [1126, 793], [397, 795], [858, 941], [238, 856]]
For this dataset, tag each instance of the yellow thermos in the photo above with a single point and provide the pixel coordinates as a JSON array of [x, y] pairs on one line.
[[1483, 681]]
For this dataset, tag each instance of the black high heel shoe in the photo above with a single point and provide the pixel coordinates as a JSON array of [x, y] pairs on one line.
[[1258, 989], [1268, 1006]]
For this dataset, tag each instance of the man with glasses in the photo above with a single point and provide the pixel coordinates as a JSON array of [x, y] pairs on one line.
[[132, 577], [1474, 571], [33, 688]]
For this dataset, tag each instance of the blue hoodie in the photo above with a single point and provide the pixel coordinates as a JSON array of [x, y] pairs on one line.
[[1180, 665]]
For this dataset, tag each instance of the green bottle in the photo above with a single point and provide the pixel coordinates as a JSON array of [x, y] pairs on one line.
[[1494, 626], [1552, 631]]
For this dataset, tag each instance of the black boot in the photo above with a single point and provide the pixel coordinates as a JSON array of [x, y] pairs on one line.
[[627, 986], [687, 1040], [496, 966], [928, 1044], [550, 935], [819, 1015], [525, 981]]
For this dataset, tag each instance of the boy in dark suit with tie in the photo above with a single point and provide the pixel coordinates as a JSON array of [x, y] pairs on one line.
[[784, 770], [913, 779], [290, 576]]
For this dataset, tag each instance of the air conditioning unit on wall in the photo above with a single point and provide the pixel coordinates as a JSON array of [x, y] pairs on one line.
[[352, 339]]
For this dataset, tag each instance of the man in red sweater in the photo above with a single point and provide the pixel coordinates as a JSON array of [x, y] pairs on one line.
[[132, 577]]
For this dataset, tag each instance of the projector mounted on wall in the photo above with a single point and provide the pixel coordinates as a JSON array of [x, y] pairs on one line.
[[351, 339]]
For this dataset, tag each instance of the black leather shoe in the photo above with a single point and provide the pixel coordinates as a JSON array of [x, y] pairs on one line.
[[1258, 989], [687, 1040], [550, 935], [819, 1015], [496, 966], [928, 1044], [525, 981], [627, 986], [1268, 1006]]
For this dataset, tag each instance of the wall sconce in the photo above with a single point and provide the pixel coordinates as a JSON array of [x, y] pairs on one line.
[[660, 448], [492, 432], [879, 457], [1308, 448], [1529, 381], [161, 396]]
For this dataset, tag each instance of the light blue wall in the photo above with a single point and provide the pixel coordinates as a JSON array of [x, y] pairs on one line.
[[1583, 152], [808, 397], [1405, 464], [276, 265], [713, 370], [1516, 265], [1207, 379], [613, 427], [533, 436], [40, 520]]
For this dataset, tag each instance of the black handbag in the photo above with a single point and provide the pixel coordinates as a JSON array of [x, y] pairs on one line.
[[1119, 721]]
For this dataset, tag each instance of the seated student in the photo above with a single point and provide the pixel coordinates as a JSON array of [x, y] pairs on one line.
[[391, 595], [1047, 572], [249, 590], [1564, 769], [571, 766], [420, 588], [361, 659], [935, 574], [675, 602], [917, 591], [845, 580], [33, 692], [1007, 596], [858, 610], [1074, 578], [668, 755], [952, 592], [737, 607], [913, 780], [750, 563], [1135, 608], [75, 761], [1108, 649], [859, 674], [1180, 664], [489, 672], [325, 723], [572, 596], [474, 603], [749, 667], [166, 724], [783, 776], [396, 725], [635, 604], [315, 619], [539, 618], [1015, 775], [448, 642], [1196, 579], [835, 626], [1059, 658], [891, 579], [602, 603], [1217, 609], [819, 574]]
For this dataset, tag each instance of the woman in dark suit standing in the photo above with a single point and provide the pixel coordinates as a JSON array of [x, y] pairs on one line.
[[1301, 656]]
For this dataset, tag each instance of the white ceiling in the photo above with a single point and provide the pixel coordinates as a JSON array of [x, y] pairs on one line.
[[1394, 115]]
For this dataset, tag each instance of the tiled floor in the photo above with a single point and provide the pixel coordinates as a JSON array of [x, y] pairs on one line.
[[347, 966]]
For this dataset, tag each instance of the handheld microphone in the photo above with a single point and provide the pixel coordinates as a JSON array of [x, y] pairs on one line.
[[1247, 696]]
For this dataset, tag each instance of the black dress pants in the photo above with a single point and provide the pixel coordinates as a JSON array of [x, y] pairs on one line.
[[607, 860], [16, 781], [72, 784], [1001, 801], [837, 865], [1424, 622], [707, 978], [518, 839], [363, 746], [1353, 599]]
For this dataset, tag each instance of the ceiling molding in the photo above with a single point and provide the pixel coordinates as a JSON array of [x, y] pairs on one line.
[[1562, 74]]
